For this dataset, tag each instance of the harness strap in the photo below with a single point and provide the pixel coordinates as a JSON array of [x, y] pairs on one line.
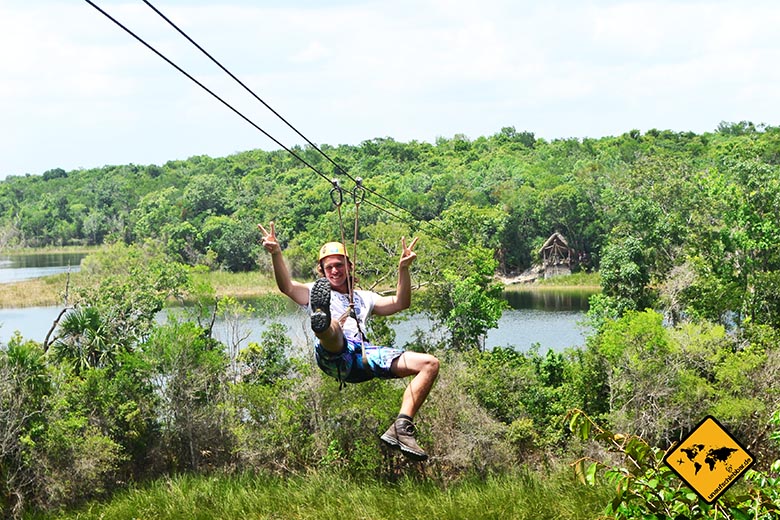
[[337, 196]]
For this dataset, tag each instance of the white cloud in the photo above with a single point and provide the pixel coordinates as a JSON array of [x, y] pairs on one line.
[[313, 52], [77, 91]]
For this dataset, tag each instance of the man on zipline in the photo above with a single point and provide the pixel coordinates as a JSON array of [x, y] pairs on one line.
[[341, 349]]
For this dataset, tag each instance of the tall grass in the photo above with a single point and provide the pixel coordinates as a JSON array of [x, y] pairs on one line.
[[239, 285], [45, 291], [49, 290], [325, 496], [580, 279]]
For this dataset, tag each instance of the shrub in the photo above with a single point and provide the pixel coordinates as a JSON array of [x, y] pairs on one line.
[[646, 488]]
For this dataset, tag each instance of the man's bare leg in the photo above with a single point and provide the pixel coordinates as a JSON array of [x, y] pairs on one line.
[[424, 368], [332, 338]]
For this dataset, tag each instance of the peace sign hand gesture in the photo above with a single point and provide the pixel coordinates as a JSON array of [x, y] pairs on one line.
[[407, 255], [269, 239]]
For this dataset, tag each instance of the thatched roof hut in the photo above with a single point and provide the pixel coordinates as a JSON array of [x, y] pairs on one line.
[[556, 256]]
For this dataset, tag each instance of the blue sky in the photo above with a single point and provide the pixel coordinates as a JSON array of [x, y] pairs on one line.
[[78, 92]]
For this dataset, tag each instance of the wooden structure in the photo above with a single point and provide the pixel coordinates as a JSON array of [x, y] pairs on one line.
[[556, 256]]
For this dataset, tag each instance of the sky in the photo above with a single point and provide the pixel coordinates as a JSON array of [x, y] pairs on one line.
[[76, 91]]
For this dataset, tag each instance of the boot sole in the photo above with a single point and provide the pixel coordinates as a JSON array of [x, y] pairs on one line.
[[413, 454], [390, 441], [319, 298], [393, 442]]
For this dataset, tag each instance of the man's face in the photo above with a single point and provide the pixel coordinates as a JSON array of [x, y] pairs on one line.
[[335, 267]]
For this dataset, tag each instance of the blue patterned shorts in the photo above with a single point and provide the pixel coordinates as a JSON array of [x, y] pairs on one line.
[[348, 366]]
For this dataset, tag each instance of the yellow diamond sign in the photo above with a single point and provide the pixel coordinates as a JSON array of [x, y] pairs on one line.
[[709, 460]]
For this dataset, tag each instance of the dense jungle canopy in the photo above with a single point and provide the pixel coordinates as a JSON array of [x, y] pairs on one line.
[[682, 228], [685, 214]]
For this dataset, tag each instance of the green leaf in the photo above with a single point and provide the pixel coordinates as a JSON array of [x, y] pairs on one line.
[[580, 425], [739, 514], [590, 475]]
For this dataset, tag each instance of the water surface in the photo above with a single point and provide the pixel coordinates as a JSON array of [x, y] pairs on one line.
[[551, 324], [550, 317], [17, 268]]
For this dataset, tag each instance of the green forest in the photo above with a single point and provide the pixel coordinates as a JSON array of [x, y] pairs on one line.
[[680, 230]]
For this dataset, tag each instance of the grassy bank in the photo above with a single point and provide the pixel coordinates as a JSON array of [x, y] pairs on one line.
[[50, 290], [238, 285], [40, 292], [45, 291], [322, 496], [581, 280], [50, 250]]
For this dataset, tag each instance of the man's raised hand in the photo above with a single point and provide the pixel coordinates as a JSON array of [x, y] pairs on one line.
[[407, 253], [269, 238]]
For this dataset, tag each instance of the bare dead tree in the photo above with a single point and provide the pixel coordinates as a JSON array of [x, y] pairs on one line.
[[66, 308]]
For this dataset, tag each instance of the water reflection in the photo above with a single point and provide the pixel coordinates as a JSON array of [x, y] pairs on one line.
[[41, 260], [18, 268], [549, 299]]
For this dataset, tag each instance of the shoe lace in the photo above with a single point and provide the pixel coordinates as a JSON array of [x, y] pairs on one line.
[[406, 427]]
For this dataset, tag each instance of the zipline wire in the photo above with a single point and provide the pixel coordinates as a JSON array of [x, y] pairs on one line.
[[252, 123], [204, 87], [337, 166]]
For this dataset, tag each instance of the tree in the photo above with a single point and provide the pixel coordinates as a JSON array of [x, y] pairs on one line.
[[234, 314], [154, 212], [737, 259], [188, 377], [565, 208], [267, 362], [624, 275], [509, 134], [184, 243], [469, 225], [741, 128], [235, 243], [24, 388], [128, 286], [467, 302], [206, 195], [643, 374]]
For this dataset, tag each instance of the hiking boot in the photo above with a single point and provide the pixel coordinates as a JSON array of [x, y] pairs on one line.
[[401, 435], [319, 300]]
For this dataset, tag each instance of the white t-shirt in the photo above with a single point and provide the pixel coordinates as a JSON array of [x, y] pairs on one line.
[[364, 306]]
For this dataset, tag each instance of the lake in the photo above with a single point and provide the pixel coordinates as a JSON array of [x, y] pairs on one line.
[[549, 317], [17, 268], [518, 327]]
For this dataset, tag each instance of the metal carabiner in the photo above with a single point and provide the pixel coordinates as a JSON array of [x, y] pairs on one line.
[[336, 189], [358, 192]]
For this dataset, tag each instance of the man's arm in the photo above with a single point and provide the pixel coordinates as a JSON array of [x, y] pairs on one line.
[[296, 291], [402, 299]]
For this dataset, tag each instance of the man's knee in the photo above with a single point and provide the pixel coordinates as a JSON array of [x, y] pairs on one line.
[[427, 364], [431, 364], [412, 363]]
